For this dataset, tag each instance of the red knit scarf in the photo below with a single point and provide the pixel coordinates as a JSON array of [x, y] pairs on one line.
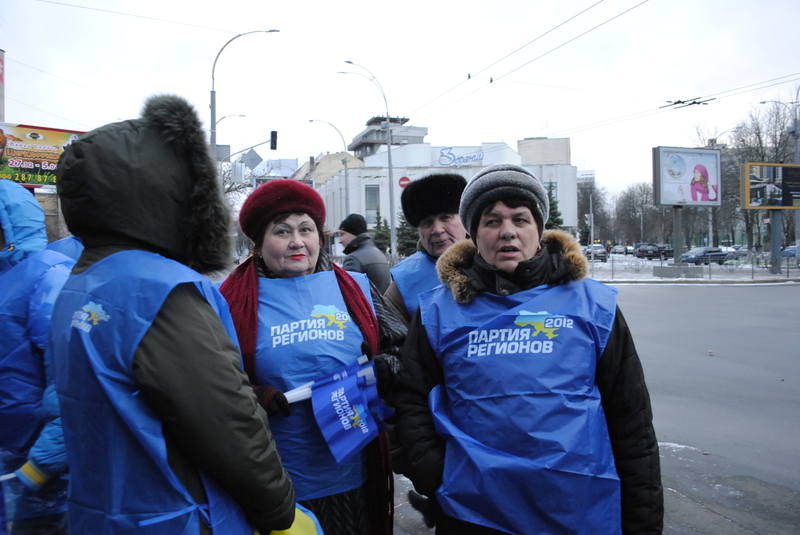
[[240, 289]]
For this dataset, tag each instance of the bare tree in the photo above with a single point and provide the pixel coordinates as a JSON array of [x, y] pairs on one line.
[[637, 219], [235, 192], [602, 219], [764, 138]]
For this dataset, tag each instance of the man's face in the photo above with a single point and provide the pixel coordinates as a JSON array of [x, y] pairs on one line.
[[438, 232], [345, 237]]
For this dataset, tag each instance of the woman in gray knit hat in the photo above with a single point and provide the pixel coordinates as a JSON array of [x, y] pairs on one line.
[[522, 407]]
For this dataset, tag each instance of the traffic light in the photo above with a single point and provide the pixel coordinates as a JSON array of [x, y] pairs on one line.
[[587, 218], [273, 140]]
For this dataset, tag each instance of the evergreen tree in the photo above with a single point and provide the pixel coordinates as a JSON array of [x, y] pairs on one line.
[[407, 237], [555, 221], [381, 235]]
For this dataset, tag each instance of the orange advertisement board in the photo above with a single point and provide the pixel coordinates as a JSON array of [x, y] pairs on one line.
[[29, 154]]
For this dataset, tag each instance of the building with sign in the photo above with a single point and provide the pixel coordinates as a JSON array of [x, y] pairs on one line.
[[366, 190]]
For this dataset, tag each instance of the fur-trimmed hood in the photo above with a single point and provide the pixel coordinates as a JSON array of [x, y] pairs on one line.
[[150, 183], [567, 263]]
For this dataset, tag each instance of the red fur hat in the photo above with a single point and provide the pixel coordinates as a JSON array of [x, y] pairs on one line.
[[279, 197]]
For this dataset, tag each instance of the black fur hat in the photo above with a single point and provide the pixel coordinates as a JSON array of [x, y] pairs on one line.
[[431, 195], [150, 183]]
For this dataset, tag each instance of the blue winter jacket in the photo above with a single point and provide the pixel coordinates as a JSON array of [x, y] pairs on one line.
[[22, 221]]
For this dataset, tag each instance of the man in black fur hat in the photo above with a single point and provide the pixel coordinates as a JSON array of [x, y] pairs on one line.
[[430, 204], [161, 425]]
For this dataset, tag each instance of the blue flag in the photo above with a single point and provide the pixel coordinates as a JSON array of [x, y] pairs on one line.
[[348, 409]]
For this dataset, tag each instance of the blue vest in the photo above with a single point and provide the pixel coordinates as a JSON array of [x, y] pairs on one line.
[[305, 333], [413, 276], [21, 358], [527, 446], [122, 482], [29, 291]]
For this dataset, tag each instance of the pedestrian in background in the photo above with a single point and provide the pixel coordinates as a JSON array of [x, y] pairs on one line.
[[162, 429], [31, 440], [430, 204], [362, 255], [300, 318], [522, 405]]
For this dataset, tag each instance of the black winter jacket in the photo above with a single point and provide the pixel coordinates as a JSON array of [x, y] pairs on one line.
[[151, 184], [364, 257], [619, 377]]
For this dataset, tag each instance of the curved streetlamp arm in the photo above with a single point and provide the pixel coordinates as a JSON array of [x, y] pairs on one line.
[[372, 78], [225, 117], [344, 144], [214, 67], [213, 104]]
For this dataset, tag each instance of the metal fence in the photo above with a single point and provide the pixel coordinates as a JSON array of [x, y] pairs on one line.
[[757, 267]]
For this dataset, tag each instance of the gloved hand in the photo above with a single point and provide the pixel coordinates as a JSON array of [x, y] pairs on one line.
[[272, 400], [429, 507], [386, 368]]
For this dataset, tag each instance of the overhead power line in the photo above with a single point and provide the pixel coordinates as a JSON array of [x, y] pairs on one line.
[[136, 16], [683, 103], [493, 79], [469, 76]]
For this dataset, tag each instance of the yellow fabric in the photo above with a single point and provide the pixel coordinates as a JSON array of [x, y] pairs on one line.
[[303, 525], [33, 474]]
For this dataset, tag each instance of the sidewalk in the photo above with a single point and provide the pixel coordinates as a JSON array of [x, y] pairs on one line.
[[621, 269]]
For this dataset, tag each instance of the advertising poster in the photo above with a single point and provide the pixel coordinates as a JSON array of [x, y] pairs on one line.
[[686, 177], [29, 154], [770, 186]]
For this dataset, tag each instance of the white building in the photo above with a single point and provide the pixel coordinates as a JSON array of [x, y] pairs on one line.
[[366, 189]]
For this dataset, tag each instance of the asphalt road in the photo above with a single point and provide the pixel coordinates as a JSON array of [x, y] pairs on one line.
[[722, 364]]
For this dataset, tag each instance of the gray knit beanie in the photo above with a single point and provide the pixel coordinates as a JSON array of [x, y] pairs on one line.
[[498, 182]]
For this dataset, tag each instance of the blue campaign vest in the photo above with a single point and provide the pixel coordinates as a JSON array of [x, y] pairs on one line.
[[124, 484], [414, 275], [29, 291], [21, 359], [305, 333], [527, 448]]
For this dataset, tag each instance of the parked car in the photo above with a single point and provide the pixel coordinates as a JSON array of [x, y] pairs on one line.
[[706, 255], [639, 249], [790, 251], [661, 251], [598, 250], [629, 249], [618, 249]]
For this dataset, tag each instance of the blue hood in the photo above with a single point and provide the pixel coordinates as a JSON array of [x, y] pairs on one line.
[[22, 220]]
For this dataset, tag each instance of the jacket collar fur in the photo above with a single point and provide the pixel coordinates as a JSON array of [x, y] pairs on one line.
[[466, 274]]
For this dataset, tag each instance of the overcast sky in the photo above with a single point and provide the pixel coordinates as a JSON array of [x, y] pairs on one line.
[[470, 71]]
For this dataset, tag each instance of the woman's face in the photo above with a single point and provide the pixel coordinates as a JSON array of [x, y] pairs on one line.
[[507, 236], [291, 247], [698, 177]]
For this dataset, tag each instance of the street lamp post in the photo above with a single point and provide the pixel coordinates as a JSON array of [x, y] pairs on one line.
[[795, 109], [213, 106], [344, 161], [392, 225]]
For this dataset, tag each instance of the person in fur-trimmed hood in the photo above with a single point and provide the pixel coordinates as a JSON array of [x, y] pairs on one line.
[[522, 406], [163, 431]]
